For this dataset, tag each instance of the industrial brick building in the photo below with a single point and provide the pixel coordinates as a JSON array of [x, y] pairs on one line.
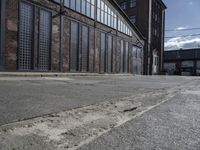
[[182, 62], [149, 17], [68, 36]]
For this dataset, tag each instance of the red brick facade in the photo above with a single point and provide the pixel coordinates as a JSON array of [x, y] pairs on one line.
[[60, 57]]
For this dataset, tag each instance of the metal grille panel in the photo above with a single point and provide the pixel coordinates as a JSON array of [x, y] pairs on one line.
[[85, 48], [110, 52], [44, 41], [74, 46], [122, 56], [25, 37], [126, 58], [102, 53]]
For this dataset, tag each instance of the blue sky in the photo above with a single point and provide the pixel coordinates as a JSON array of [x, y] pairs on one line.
[[182, 14]]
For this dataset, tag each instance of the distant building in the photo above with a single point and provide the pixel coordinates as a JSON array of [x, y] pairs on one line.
[[68, 36], [182, 62], [149, 17]]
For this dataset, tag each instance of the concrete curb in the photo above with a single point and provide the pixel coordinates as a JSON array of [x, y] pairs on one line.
[[52, 74]]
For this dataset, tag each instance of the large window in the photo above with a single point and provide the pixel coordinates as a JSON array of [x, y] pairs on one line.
[[136, 60], [85, 49], [102, 52], [106, 13], [133, 19], [86, 7], [132, 3], [74, 48], [44, 40], [123, 5], [122, 57], [126, 57], [110, 53], [25, 51]]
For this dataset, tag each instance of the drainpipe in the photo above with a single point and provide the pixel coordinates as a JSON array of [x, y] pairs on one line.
[[149, 38]]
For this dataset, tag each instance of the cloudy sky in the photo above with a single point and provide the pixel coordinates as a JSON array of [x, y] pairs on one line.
[[182, 18]]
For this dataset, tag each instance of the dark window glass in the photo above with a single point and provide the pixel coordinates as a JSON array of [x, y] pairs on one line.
[[74, 49], [102, 52], [85, 48], [25, 56], [132, 3], [110, 53], [57, 1], [44, 41], [123, 5]]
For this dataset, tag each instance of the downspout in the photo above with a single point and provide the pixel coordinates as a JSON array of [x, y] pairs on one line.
[[149, 38]]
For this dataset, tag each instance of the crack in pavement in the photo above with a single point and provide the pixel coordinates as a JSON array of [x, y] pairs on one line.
[[75, 128]]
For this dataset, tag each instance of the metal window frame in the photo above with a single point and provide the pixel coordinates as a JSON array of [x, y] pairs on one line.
[[78, 47], [50, 39], [100, 61], [18, 35], [88, 42]]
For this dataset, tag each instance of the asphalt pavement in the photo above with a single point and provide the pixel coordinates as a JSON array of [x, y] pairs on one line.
[[173, 125], [28, 97]]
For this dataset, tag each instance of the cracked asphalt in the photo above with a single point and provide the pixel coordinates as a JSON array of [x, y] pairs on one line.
[[173, 125], [23, 98], [166, 118]]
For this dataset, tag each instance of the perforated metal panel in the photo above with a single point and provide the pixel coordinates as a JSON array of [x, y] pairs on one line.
[[74, 47], [122, 57], [44, 41], [126, 57], [137, 60], [25, 55], [110, 52], [102, 52], [85, 48]]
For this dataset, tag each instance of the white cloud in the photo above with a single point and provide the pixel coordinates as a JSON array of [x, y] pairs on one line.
[[182, 42], [181, 28]]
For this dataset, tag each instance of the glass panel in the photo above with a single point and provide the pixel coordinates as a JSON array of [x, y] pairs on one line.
[[66, 3], [44, 41], [85, 48], [126, 57], [102, 52], [110, 52], [25, 51], [122, 57], [73, 4], [88, 9], [78, 5], [84, 7], [74, 46]]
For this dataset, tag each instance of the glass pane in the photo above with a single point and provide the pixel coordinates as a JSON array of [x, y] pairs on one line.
[[66, 3], [85, 49], [78, 5], [74, 46], [84, 7], [73, 4]]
